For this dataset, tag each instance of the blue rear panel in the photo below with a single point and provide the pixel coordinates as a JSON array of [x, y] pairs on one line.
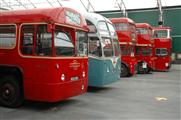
[[103, 72]]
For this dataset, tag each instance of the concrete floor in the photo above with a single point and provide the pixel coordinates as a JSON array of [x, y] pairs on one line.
[[142, 97]]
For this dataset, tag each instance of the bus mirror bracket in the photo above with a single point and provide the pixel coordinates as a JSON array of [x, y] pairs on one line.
[[92, 29], [49, 28]]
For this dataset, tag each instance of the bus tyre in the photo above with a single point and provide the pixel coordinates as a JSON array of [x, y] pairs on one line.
[[148, 70], [10, 92], [124, 71]]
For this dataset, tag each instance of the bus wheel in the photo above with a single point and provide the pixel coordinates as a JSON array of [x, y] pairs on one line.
[[10, 92], [124, 71], [148, 70]]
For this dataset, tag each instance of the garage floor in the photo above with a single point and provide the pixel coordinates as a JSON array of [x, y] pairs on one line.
[[143, 97]]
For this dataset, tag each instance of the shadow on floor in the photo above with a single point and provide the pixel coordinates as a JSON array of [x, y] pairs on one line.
[[44, 106], [99, 89]]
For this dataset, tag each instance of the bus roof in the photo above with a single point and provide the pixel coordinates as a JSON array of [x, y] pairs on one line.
[[95, 18], [143, 25], [123, 20], [61, 15]]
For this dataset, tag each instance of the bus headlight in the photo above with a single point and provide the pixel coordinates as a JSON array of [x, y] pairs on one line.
[[57, 66], [131, 66], [166, 64], [62, 77], [144, 65], [108, 69], [82, 87], [83, 74]]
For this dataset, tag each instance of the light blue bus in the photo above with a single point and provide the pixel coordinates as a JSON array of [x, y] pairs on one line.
[[104, 51]]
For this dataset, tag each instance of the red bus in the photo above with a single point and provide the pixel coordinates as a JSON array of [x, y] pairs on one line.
[[162, 48], [126, 31], [144, 48], [43, 55]]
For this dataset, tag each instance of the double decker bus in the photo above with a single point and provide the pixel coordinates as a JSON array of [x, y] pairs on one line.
[[104, 51], [126, 32], [162, 48], [43, 55], [144, 47]]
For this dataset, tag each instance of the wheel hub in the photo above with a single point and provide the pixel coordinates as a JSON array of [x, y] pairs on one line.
[[7, 92]]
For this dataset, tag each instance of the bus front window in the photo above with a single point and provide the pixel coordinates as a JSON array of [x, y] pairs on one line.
[[146, 51], [112, 30], [133, 31], [116, 47], [103, 30], [127, 51], [44, 41], [107, 47], [63, 44], [115, 39], [121, 26], [160, 33], [142, 30], [95, 46], [81, 43], [161, 52]]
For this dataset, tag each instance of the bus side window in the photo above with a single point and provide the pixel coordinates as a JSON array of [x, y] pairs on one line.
[[7, 36], [27, 40]]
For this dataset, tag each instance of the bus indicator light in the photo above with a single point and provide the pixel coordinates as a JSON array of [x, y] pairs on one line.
[[57, 66], [63, 77], [83, 74]]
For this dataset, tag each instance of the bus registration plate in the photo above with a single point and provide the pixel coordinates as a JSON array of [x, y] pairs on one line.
[[74, 78], [144, 65]]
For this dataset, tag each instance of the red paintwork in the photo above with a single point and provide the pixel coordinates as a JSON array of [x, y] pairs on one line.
[[125, 39], [160, 61], [41, 76], [145, 41]]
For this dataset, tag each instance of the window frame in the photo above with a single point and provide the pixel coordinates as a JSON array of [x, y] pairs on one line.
[[15, 41], [76, 46], [34, 40], [155, 32], [99, 50], [118, 26], [103, 32], [71, 39], [146, 51], [104, 50], [163, 55], [141, 29]]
